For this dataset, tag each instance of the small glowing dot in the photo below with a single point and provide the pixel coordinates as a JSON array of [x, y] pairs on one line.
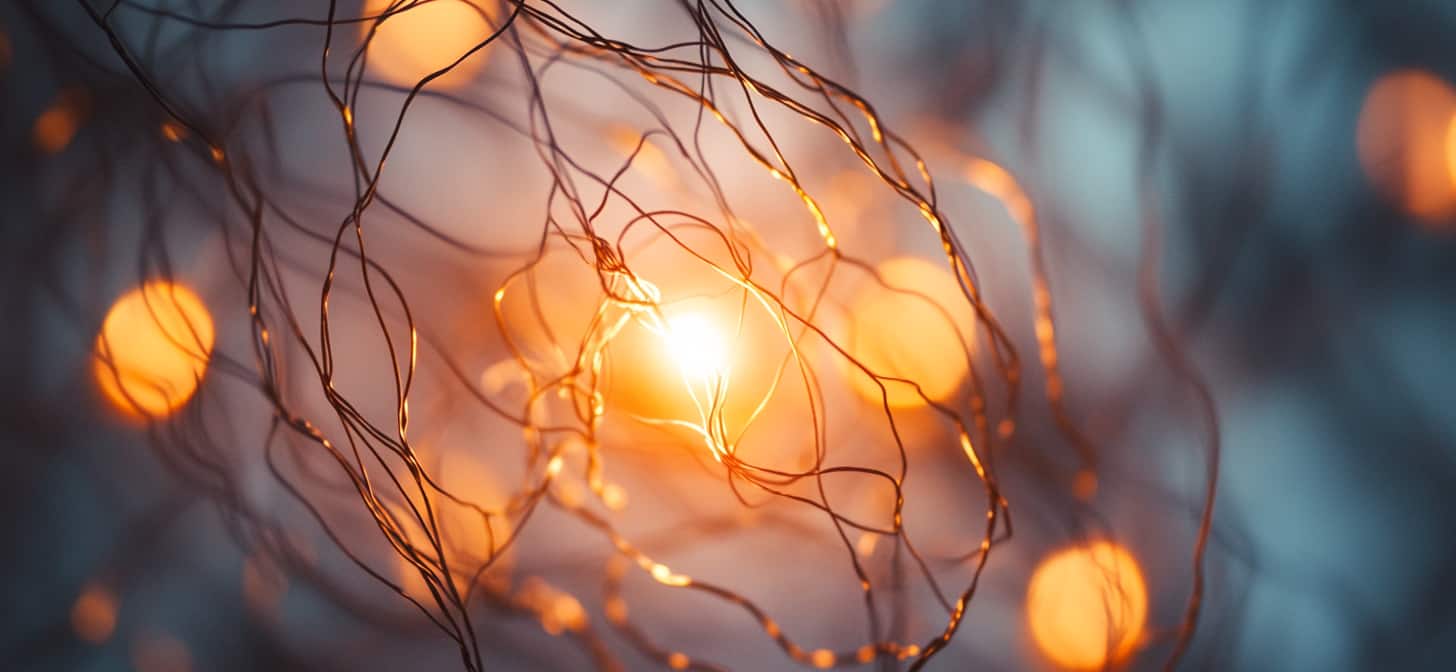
[[866, 544], [909, 651], [173, 131], [823, 659], [1086, 606], [970, 451], [94, 614], [666, 577], [678, 660], [616, 610], [153, 348], [865, 653], [57, 125], [614, 497], [1006, 428], [567, 611]]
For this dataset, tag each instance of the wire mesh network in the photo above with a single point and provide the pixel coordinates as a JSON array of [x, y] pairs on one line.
[[521, 311]]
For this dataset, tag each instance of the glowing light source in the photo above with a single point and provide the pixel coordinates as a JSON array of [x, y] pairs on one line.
[[410, 44], [1087, 605], [1404, 142], [57, 125], [1451, 150], [467, 537], [153, 349], [696, 345], [94, 614], [920, 336], [557, 610], [173, 131]]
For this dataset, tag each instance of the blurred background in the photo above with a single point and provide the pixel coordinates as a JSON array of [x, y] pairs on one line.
[[1299, 160]]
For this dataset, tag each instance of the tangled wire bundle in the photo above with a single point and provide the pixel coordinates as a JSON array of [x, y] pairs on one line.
[[604, 328]]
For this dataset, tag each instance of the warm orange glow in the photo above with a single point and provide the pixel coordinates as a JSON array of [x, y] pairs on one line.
[[1404, 142], [1087, 605], [173, 131], [697, 346], [867, 543], [424, 38], [905, 336], [648, 159], [465, 535], [57, 125], [94, 614], [153, 349], [1451, 150], [614, 497], [1084, 485], [559, 612]]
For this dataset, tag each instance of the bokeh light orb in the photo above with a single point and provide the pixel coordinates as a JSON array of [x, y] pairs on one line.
[[58, 124], [1086, 606], [1405, 144], [153, 349], [466, 536], [93, 616], [922, 336], [423, 38]]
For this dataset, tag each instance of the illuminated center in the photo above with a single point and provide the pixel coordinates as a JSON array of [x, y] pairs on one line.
[[697, 346], [1087, 605], [153, 349]]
